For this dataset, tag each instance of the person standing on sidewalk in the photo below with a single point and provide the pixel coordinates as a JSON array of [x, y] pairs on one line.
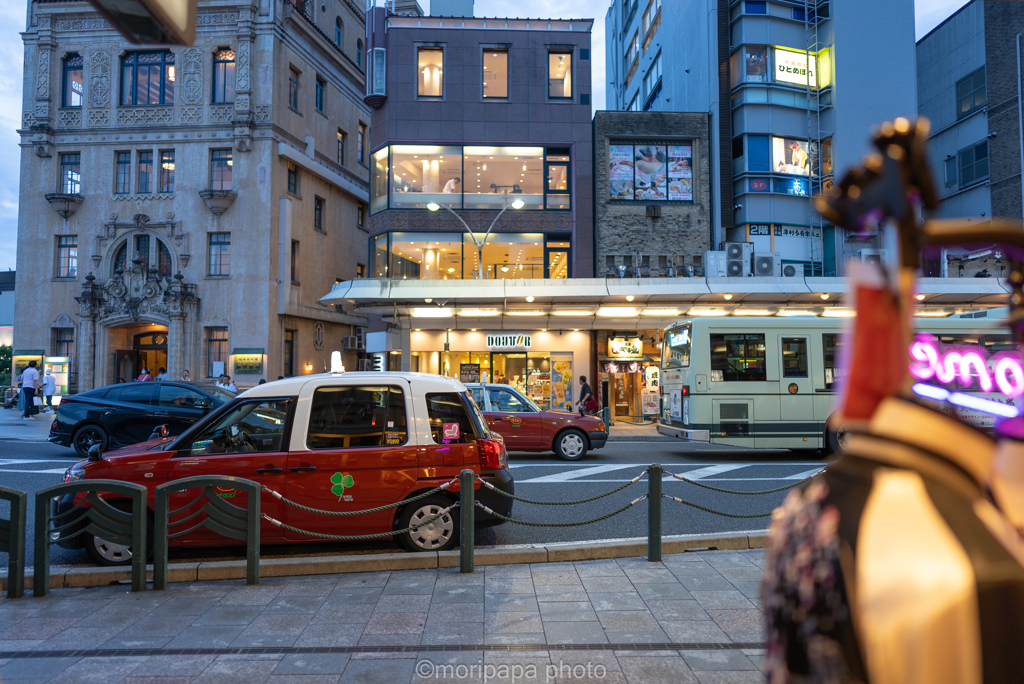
[[587, 399], [29, 383], [49, 389]]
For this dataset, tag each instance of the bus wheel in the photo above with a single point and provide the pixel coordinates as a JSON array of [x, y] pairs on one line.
[[835, 439]]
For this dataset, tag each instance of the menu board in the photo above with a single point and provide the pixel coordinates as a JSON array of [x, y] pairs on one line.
[[651, 172], [680, 172], [620, 172]]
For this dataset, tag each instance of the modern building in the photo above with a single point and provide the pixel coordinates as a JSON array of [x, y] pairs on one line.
[[186, 207], [968, 83], [792, 90]]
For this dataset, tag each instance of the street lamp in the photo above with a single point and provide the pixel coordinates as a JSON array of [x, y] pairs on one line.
[[515, 204]]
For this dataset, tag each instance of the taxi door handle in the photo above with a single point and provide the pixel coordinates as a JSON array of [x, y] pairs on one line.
[[303, 469], [269, 470]]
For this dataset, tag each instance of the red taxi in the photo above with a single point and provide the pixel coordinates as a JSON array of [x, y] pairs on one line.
[[339, 442], [527, 427]]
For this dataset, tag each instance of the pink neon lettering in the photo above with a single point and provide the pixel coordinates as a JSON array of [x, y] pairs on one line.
[[947, 370], [1008, 366], [975, 360], [926, 354], [964, 365]]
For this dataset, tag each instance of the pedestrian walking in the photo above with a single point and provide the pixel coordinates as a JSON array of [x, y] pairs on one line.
[[587, 402], [29, 384], [49, 389]]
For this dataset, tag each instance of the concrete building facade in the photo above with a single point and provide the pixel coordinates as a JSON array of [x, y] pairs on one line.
[[792, 90], [186, 207]]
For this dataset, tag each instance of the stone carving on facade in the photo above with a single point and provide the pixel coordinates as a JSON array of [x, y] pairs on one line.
[[63, 321], [192, 77], [133, 294], [69, 118], [241, 103], [91, 298], [42, 111], [99, 80], [27, 119], [216, 19], [144, 116], [191, 115], [82, 25], [242, 84], [99, 117], [43, 74], [318, 336], [221, 113], [262, 113]]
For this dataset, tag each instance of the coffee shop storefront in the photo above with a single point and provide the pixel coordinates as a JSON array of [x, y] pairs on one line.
[[545, 365]]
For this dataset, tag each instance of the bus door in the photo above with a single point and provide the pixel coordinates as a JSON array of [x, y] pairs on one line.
[[796, 390]]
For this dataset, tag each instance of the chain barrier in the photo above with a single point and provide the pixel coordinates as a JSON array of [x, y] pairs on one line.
[[711, 510], [733, 491], [359, 537], [280, 497], [561, 503], [571, 524]]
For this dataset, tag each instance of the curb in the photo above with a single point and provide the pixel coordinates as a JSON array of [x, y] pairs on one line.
[[641, 438], [67, 578]]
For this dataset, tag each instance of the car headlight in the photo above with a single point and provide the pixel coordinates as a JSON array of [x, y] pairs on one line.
[[74, 474]]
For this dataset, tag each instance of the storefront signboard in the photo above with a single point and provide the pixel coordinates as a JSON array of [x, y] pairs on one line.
[[507, 341], [650, 401], [797, 68], [625, 347], [561, 381], [469, 372], [20, 360], [248, 361], [59, 367]]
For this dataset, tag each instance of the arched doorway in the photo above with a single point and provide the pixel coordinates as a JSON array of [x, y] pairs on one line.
[[149, 350]]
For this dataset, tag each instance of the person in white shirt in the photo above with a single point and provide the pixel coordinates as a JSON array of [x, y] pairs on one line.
[[29, 383], [452, 186], [49, 389], [161, 374], [228, 385]]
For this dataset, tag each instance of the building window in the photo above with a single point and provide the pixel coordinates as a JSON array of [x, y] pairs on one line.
[[166, 171], [293, 179], [950, 168], [339, 29], [560, 75], [318, 213], [67, 256], [379, 181], [288, 359], [973, 163], [651, 20], [163, 260], [121, 259], [630, 59], [359, 54], [293, 88], [320, 84], [224, 76], [71, 173], [429, 173], [220, 254], [341, 146], [360, 214], [971, 93], [64, 342], [73, 88], [216, 351], [360, 270], [650, 172], [123, 174], [453, 256], [145, 180], [749, 64], [737, 357], [430, 72], [142, 251], [495, 73], [652, 81], [755, 7], [295, 262], [147, 78], [759, 153], [361, 143], [220, 170]]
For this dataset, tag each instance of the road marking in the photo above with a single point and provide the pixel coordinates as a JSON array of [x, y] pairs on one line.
[[804, 475], [701, 473], [570, 475], [679, 465], [20, 461], [59, 471]]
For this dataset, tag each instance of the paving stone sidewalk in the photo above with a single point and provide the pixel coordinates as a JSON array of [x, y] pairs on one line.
[[693, 618]]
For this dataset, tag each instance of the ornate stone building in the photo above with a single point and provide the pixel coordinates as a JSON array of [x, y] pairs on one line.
[[186, 207]]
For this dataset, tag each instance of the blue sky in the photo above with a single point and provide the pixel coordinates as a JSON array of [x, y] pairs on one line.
[[12, 21]]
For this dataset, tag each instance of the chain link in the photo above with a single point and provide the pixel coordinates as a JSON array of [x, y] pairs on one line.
[[733, 491], [561, 503], [709, 510], [357, 537], [572, 524], [295, 504]]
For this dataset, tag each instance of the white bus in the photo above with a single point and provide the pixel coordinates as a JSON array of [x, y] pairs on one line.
[[770, 382]]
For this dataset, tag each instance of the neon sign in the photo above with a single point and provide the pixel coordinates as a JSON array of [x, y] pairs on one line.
[[967, 366]]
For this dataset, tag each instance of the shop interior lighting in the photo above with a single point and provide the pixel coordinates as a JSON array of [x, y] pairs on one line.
[[572, 312], [838, 313], [705, 311], [630, 298], [970, 401], [479, 313], [660, 312], [824, 295], [794, 312], [727, 296], [431, 312], [617, 312], [932, 313], [524, 312], [752, 312], [529, 298]]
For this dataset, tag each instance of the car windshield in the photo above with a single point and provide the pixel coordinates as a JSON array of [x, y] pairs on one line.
[[504, 398], [224, 395]]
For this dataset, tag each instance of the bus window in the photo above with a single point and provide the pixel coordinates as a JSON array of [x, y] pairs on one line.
[[738, 357], [794, 357], [677, 348], [830, 344]]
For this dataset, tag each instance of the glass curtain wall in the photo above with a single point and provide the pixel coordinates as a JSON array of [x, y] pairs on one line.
[[453, 256], [421, 174], [378, 180], [494, 174], [506, 255], [426, 256]]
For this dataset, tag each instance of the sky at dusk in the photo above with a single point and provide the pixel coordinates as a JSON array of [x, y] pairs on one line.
[[929, 13]]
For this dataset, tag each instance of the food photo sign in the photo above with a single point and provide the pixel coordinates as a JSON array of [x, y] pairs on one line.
[[650, 172]]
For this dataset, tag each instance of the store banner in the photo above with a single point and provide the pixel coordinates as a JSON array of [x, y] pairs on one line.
[[562, 381], [508, 341], [625, 347], [650, 401], [469, 372]]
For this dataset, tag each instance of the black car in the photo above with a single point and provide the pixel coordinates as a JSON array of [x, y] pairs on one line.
[[127, 413]]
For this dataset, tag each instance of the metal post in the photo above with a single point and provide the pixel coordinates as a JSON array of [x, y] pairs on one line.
[[467, 531], [606, 413], [15, 542], [41, 560], [654, 513], [160, 531], [252, 536]]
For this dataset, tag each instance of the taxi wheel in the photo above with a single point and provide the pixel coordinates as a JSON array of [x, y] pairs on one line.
[[104, 552], [441, 534], [571, 445]]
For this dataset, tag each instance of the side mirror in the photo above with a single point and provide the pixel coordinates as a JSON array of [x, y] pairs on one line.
[[96, 452], [159, 432]]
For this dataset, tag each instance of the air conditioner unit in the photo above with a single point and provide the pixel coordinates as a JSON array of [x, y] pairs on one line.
[[792, 271], [767, 264], [873, 256], [737, 259], [714, 264], [364, 365], [360, 338], [348, 343]]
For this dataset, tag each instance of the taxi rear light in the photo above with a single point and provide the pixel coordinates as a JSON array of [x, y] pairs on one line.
[[686, 391], [492, 455]]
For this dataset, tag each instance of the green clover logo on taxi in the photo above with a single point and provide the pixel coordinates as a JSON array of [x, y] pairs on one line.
[[340, 482]]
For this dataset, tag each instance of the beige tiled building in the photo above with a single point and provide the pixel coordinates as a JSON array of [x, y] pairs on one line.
[[186, 207]]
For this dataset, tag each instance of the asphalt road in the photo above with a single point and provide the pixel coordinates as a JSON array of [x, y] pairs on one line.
[[30, 466]]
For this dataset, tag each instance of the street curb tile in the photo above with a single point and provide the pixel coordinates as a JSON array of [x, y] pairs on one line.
[[482, 557]]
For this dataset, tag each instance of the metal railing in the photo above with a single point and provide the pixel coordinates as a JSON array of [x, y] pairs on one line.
[[12, 540]]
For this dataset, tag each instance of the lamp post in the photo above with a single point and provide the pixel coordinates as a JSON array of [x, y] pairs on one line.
[[515, 204]]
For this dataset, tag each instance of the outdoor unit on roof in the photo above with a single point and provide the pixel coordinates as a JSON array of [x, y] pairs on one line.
[[767, 264], [737, 255], [714, 264], [364, 365], [348, 343], [792, 271], [873, 256]]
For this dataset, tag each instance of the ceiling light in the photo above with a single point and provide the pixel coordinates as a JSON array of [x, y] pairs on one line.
[[419, 329], [428, 300], [660, 312], [920, 297], [472, 330], [752, 312], [705, 311], [431, 312], [619, 311], [839, 313], [727, 296], [932, 313], [529, 298], [571, 313], [543, 329], [824, 295], [524, 312], [794, 312]]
